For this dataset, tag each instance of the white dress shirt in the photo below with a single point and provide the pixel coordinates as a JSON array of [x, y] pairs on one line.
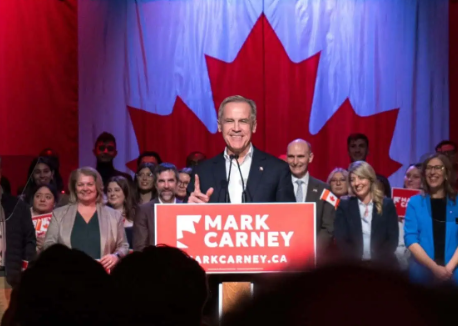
[[365, 211], [235, 182], [305, 184], [160, 201]]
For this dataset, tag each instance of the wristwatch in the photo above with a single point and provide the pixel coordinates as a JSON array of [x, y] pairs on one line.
[[117, 255]]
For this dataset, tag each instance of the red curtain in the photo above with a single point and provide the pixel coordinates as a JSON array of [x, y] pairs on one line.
[[38, 84]]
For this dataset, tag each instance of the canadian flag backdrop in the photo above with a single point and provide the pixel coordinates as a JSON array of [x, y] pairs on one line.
[[154, 72]]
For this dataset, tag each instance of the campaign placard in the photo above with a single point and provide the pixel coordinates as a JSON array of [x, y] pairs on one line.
[[401, 197], [241, 238]]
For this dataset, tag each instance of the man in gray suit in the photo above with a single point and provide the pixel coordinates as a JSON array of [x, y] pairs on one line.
[[309, 189], [166, 176]]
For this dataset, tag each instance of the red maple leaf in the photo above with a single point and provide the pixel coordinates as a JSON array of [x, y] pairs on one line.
[[283, 91]]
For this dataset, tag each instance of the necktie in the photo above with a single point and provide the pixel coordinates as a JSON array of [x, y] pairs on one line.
[[299, 192]]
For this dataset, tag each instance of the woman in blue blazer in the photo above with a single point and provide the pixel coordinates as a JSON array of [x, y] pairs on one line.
[[431, 225]]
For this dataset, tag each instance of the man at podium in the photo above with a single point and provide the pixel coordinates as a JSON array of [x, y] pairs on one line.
[[241, 173]]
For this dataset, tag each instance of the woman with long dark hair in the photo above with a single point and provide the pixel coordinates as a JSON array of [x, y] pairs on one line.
[[145, 191], [119, 196]]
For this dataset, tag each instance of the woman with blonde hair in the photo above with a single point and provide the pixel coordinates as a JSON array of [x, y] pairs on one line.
[[366, 224], [338, 181], [86, 223]]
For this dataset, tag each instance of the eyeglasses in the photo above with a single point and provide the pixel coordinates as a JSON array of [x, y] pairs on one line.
[[109, 148], [145, 175], [184, 184], [436, 168], [338, 180]]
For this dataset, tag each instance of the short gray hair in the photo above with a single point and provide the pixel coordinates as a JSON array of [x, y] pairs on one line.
[[238, 99]]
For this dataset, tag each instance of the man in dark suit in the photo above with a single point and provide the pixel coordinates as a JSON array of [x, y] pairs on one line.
[[358, 149], [309, 189], [262, 178], [166, 176]]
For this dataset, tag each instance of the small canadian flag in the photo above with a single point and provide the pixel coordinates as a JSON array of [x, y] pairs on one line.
[[330, 198], [24, 266]]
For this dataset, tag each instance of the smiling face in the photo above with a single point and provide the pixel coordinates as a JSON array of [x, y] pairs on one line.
[[43, 201], [86, 190], [412, 179], [435, 174], [42, 174], [360, 186], [145, 179], [115, 195], [298, 158], [166, 185], [237, 126]]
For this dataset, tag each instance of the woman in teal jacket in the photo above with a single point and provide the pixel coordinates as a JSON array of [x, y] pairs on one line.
[[431, 225]]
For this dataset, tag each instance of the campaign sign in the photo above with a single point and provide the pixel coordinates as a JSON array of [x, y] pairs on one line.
[[241, 238], [41, 223], [401, 198]]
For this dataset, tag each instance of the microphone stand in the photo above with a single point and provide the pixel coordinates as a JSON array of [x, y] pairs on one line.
[[241, 177], [231, 157]]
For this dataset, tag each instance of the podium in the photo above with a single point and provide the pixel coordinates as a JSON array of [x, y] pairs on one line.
[[234, 243]]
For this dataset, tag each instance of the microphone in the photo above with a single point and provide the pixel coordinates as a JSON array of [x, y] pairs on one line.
[[231, 157], [241, 177]]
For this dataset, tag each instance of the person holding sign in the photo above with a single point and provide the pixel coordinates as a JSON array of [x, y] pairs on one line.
[[241, 173], [431, 224], [366, 224], [44, 200], [86, 224]]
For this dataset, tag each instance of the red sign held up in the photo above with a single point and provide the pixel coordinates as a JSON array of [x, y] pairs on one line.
[[401, 198]]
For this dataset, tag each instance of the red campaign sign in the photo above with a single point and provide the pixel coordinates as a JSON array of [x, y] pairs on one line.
[[41, 223], [401, 197], [241, 238]]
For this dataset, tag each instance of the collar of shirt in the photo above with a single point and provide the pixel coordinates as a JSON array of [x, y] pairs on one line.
[[305, 178], [362, 207], [249, 154], [161, 202]]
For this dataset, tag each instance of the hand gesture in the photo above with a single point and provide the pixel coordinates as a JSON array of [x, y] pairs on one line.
[[197, 197]]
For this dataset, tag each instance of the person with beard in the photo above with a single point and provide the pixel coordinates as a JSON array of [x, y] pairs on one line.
[[105, 152], [166, 177]]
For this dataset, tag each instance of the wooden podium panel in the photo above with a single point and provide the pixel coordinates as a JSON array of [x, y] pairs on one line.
[[230, 293]]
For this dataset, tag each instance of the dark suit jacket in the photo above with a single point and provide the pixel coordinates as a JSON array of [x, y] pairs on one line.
[[269, 179], [325, 213], [21, 242], [144, 230], [384, 233]]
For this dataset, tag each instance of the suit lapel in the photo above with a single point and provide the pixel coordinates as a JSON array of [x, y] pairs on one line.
[[312, 194], [68, 220], [356, 222], [374, 224], [104, 228], [219, 173], [256, 173]]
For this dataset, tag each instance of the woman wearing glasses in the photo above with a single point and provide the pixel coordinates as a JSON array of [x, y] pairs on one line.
[[338, 181], [184, 177], [431, 229], [144, 183]]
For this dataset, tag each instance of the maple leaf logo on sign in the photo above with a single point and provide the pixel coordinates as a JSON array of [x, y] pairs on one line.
[[263, 72], [186, 223]]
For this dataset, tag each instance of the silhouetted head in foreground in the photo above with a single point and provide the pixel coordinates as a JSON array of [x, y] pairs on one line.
[[162, 286], [64, 287]]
